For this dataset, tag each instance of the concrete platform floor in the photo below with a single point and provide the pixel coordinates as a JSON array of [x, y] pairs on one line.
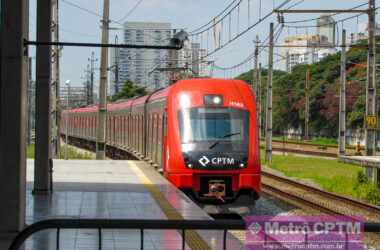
[[365, 161], [111, 189]]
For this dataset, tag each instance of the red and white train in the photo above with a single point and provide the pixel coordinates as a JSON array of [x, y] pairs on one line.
[[202, 133]]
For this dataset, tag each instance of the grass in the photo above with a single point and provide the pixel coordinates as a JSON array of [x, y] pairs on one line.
[[73, 153], [330, 175], [321, 141]]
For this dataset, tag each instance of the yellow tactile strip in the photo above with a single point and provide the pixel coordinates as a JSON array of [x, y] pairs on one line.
[[193, 239]]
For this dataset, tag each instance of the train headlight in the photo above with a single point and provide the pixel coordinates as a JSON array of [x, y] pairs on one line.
[[242, 165], [215, 100]]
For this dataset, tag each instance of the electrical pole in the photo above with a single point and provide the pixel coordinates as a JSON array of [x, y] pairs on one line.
[[268, 123], [92, 61], [88, 85], [116, 67], [259, 115], [307, 103], [342, 98], [370, 133], [255, 74], [102, 115]]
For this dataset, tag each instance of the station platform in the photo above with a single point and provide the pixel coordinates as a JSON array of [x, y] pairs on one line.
[[364, 161], [116, 190]]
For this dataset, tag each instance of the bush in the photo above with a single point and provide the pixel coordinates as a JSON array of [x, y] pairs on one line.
[[366, 190]]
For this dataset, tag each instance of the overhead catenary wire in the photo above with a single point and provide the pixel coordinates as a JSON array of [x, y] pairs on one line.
[[130, 11], [216, 17], [87, 10], [318, 18], [335, 22], [250, 56], [237, 36]]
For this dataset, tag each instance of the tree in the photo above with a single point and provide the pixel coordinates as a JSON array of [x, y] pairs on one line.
[[129, 90]]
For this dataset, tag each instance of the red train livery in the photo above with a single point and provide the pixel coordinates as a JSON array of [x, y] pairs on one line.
[[202, 133]]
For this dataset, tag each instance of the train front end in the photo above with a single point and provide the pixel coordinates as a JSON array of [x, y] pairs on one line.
[[212, 149]]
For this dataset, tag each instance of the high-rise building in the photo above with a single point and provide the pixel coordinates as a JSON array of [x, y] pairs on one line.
[[305, 49], [136, 65], [326, 28], [191, 57]]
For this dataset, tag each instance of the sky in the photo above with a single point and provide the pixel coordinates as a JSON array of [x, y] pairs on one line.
[[77, 25]]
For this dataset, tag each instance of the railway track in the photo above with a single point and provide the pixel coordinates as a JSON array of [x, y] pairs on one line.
[[306, 148], [309, 197]]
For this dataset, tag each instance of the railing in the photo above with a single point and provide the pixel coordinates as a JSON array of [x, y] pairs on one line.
[[100, 224]]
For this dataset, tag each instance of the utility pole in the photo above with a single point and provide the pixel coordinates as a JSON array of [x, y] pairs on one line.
[[307, 103], [371, 102], [255, 70], [268, 123], [116, 67], [102, 114], [257, 79], [88, 85], [259, 115], [342, 98], [92, 69]]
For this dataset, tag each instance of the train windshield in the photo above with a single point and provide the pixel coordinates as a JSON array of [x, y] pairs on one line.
[[220, 125]]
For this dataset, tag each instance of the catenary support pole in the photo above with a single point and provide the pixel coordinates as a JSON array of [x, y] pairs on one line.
[[259, 109], [43, 100], [342, 98], [92, 65], [102, 114], [268, 123], [371, 102], [307, 103]]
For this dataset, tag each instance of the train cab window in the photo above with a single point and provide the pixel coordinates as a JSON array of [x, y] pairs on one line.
[[204, 126]]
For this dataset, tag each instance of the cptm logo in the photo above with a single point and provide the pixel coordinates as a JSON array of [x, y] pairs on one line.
[[204, 161], [254, 228]]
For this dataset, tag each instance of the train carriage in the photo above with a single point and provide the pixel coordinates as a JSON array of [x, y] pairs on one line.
[[201, 133]]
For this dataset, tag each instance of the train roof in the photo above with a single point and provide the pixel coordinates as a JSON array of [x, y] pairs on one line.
[[159, 94]]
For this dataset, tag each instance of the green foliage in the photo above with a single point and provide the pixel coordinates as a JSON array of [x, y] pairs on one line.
[[289, 94], [129, 90], [365, 190]]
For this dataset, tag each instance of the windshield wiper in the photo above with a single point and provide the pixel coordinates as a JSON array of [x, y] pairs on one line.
[[225, 136]]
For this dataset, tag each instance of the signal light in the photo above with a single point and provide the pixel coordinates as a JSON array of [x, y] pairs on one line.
[[215, 100]]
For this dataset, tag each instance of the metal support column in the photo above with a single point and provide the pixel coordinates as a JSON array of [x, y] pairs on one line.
[[102, 116], [342, 98], [13, 114], [268, 123], [371, 102], [307, 103], [43, 100]]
